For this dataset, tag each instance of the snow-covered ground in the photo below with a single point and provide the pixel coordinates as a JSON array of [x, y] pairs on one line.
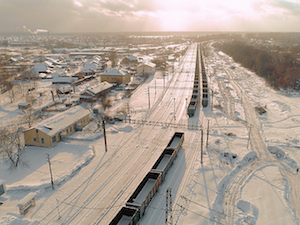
[[249, 170]]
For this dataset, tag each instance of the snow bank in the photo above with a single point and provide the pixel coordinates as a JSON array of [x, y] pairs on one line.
[[17, 221], [33, 182]]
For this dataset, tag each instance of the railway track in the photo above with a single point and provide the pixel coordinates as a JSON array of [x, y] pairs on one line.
[[72, 199]]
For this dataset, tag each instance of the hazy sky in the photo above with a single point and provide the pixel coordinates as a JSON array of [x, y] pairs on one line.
[[64, 16]]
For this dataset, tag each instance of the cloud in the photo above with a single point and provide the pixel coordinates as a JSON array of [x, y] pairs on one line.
[[63, 16], [291, 8]]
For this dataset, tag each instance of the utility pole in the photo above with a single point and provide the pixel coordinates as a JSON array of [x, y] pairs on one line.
[[128, 112], [207, 133], [52, 95], [174, 110], [104, 133], [169, 219], [52, 184], [212, 100], [155, 86], [201, 146], [249, 136], [148, 98]]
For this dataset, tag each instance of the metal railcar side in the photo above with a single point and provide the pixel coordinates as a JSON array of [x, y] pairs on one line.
[[143, 194], [176, 141], [127, 215]]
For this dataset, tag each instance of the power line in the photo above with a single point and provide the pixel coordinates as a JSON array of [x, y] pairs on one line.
[[198, 214], [203, 206], [165, 124]]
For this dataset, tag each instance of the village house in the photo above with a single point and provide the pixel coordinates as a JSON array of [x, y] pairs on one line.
[[129, 60], [48, 132], [24, 105], [91, 94], [90, 68], [118, 76], [146, 69]]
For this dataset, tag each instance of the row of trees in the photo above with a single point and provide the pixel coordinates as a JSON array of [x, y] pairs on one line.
[[11, 144], [278, 66]]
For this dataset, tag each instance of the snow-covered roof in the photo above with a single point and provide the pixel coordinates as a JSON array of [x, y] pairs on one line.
[[49, 64], [53, 61], [150, 64], [23, 104], [43, 75], [27, 198], [115, 72], [40, 66], [55, 75], [87, 70], [59, 122], [131, 58], [97, 89], [64, 79]]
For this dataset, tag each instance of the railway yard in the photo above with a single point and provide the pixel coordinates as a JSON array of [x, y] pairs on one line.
[[198, 145]]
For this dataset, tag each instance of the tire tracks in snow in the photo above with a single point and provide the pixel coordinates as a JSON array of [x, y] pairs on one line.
[[229, 189]]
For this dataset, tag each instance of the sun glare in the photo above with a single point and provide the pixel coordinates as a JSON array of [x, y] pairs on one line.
[[77, 3]]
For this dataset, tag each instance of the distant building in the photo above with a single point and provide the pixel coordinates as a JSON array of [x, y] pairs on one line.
[[48, 132], [115, 75], [91, 94], [146, 69], [129, 60], [24, 105], [64, 80]]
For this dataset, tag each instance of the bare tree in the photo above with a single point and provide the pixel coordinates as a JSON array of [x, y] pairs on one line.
[[10, 88], [113, 58], [11, 144], [29, 116], [125, 110], [106, 102]]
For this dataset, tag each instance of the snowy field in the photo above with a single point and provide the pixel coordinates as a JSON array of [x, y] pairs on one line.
[[249, 170]]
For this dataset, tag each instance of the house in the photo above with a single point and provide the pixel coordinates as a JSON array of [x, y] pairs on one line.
[[24, 105], [89, 68], [116, 75], [63, 80], [79, 58], [65, 90], [129, 60], [91, 94], [48, 132], [146, 69]]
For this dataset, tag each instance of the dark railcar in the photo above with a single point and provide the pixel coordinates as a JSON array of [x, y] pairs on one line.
[[168, 156], [143, 194], [126, 215]]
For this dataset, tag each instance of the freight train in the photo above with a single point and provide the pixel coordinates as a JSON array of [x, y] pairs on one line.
[[204, 82], [195, 99], [141, 197]]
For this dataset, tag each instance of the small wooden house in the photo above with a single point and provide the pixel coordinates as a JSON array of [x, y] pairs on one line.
[[118, 76], [91, 94], [146, 69], [48, 132]]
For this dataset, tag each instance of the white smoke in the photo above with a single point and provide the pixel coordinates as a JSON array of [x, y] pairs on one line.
[[34, 32]]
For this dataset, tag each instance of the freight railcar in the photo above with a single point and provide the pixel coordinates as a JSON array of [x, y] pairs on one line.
[[126, 216], [166, 159], [142, 196]]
